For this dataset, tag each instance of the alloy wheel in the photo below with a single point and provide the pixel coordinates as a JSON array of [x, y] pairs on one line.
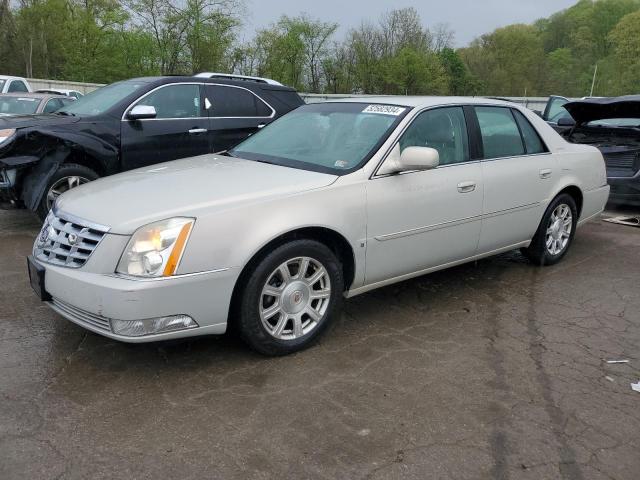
[[559, 229], [62, 185], [294, 298]]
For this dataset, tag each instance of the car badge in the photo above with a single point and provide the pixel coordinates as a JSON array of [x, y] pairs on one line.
[[44, 234], [72, 239]]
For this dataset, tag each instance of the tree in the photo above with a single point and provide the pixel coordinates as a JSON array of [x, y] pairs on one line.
[[625, 38]]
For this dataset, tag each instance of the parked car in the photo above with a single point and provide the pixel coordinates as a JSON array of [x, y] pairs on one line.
[[9, 84], [127, 125], [62, 91], [554, 112], [31, 103], [613, 126], [332, 199]]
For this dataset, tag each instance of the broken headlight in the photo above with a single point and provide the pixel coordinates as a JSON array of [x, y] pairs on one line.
[[6, 134]]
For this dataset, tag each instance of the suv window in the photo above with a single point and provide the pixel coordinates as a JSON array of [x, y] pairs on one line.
[[532, 140], [17, 86], [444, 129], [174, 101], [235, 102], [500, 134]]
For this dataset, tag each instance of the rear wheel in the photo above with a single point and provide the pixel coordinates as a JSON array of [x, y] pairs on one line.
[[68, 176], [555, 233], [290, 297]]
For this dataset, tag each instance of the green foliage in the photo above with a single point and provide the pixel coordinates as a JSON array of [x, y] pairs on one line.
[[107, 40]]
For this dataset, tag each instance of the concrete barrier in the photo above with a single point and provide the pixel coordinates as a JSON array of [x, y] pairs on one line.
[[42, 84]]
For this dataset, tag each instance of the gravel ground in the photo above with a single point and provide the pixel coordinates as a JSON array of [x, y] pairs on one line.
[[493, 369]]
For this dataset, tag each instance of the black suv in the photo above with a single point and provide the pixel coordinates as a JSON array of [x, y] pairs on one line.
[[132, 124]]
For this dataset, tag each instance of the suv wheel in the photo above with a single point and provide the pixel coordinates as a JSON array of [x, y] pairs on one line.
[[555, 233], [68, 176], [290, 297]]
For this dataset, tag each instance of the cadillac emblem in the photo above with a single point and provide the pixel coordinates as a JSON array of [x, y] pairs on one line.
[[72, 239], [44, 234]]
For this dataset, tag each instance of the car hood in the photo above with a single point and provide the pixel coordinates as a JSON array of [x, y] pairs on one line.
[[191, 187], [584, 111], [25, 121]]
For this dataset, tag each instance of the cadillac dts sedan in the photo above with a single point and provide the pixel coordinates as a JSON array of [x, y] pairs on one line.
[[330, 201]]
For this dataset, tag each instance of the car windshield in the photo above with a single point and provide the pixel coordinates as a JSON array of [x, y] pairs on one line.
[[10, 105], [101, 100], [615, 122], [326, 137]]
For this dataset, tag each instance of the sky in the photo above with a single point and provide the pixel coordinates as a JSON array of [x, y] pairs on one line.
[[467, 18]]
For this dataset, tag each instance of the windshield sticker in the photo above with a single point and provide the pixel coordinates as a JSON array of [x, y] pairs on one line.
[[384, 110], [341, 164]]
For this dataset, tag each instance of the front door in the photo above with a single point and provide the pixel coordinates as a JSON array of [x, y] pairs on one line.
[[234, 114], [179, 130], [424, 219]]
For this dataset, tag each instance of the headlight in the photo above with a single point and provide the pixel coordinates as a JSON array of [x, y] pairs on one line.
[[6, 134], [155, 250]]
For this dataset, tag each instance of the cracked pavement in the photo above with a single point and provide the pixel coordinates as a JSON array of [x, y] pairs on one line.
[[495, 369]]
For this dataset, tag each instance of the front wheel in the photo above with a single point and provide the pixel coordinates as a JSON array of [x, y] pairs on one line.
[[66, 177], [555, 233], [290, 297]]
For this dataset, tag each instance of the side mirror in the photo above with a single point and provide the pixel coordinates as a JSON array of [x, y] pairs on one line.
[[140, 112], [412, 158], [419, 158], [566, 122]]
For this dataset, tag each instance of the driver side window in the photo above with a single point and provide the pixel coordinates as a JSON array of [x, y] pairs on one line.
[[175, 101], [444, 129]]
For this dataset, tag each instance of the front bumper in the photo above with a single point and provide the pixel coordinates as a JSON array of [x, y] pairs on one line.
[[91, 300]]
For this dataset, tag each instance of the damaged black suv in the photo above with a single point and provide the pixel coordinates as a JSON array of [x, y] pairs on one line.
[[131, 124], [613, 126]]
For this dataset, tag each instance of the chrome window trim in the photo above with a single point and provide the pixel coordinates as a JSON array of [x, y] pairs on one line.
[[135, 102], [375, 174]]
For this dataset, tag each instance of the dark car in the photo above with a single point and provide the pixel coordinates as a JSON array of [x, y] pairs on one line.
[[131, 124], [31, 103], [613, 126]]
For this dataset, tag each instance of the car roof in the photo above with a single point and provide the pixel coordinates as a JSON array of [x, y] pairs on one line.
[[419, 101], [223, 81], [32, 95]]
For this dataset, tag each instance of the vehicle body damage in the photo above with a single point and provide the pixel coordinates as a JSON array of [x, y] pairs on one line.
[[613, 126], [31, 155]]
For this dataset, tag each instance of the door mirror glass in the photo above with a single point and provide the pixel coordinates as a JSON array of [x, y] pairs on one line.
[[140, 112], [566, 121]]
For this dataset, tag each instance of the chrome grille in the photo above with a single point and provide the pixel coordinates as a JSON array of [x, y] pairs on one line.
[[80, 316], [67, 241], [623, 160]]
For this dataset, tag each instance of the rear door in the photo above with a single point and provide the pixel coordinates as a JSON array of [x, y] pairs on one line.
[[234, 114], [178, 131], [517, 170]]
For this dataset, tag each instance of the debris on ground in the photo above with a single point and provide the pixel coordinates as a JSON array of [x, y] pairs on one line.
[[609, 378], [624, 220], [617, 361], [636, 386]]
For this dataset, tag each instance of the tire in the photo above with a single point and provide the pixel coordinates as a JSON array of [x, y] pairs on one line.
[[82, 175], [540, 252], [278, 316]]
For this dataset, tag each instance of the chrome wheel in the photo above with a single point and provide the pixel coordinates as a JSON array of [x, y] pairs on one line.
[[63, 185], [294, 298], [559, 229]]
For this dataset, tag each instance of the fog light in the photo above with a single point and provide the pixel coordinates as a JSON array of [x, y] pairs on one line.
[[140, 328]]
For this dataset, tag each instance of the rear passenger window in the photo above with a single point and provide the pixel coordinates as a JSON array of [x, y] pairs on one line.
[[18, 86], [235, 102], [531, 138], [500, 134]]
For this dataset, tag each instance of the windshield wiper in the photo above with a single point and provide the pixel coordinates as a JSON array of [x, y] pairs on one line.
[[65, 113]]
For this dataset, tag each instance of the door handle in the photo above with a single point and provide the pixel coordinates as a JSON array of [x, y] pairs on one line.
[[262, 125], [466, 187], [545, 173], [195, 131]]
